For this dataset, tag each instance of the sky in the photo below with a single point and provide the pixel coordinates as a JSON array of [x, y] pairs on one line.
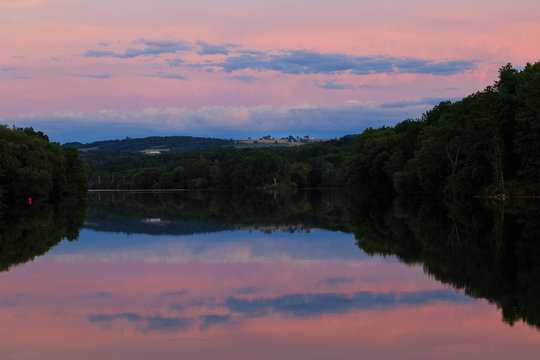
[[83, 70]]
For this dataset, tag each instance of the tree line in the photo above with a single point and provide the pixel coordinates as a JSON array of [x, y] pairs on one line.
[[32, 167], [487, 143], [316, 165]]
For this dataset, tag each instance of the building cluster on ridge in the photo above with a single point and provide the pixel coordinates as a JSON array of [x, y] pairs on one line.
[[290, 140], [267, 139]]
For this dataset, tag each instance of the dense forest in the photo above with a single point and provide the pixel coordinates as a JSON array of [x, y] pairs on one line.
[[487, 143], [315, 165], [32, 167]]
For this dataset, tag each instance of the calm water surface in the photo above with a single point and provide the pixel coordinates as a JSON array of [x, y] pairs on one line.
[[202, 276]]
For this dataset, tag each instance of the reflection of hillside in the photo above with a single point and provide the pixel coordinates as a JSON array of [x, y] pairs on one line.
[[185, 213], [284, 228], [32, 230], [153, 228], [488, 250]]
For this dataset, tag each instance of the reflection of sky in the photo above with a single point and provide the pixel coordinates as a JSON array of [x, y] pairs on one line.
[[225, 246], [305, 305], [239, 295]]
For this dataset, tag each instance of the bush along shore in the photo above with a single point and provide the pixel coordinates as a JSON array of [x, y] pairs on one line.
[[487, 145], [32, 169]]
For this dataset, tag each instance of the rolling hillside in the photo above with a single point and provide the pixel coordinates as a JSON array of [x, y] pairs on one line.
[[161, 143]]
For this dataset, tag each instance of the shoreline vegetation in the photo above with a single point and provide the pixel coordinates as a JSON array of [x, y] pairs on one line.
[[34, 170], [321, 165], [486, 145]]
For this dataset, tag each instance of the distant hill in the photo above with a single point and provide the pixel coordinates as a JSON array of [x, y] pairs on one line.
[[161, 143]]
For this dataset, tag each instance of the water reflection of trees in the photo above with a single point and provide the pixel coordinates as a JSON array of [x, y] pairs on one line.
[[490, 250], [30, 231], [207, 211]]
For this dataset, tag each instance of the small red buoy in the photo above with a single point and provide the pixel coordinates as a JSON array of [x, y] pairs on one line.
[[29, 201]]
